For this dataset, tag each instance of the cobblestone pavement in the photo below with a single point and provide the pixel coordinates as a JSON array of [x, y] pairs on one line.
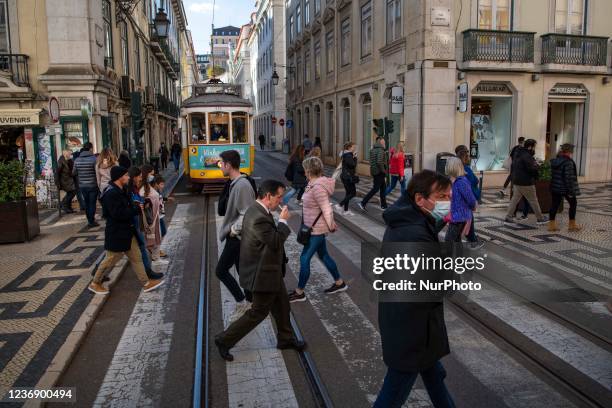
[[43, 293]]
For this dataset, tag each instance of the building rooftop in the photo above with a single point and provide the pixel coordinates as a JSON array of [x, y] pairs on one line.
[[228, 31]]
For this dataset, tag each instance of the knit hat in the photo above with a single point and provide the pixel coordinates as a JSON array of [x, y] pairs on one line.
[[117, 172]]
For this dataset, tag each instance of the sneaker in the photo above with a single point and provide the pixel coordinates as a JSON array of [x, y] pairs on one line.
[[523, 217], [361, 207], [162, 254], [509, 219], [97, 288], [239, 310], [153, 284], [337, 288], [542, 221], [474, 246], [151, 274], [348, 213], [296, 297], [93, 225], [339, 208], [161, 262]]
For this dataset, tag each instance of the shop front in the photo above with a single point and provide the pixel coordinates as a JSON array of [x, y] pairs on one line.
[[13, 125], [491, 125]]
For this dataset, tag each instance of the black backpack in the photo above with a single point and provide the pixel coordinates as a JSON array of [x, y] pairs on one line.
[[225, 193]]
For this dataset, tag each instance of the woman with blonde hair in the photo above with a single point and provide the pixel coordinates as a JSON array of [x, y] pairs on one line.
[[319, 216], [106, 160], [463, 202]]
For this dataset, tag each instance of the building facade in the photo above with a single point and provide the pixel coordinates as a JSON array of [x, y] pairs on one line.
[[117, 82], [240, 63], [475, 72], [223, 39], [203, 61], [267, 50]]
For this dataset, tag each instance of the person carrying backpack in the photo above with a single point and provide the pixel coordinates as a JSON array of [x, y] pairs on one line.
[[240, 196], [348, 177], [296, 175], [378, 169]]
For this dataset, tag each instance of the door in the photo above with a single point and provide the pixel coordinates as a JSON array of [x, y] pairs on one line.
[[565, 125]]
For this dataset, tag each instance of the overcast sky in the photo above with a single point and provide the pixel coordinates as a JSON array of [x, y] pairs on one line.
[[227, 12]]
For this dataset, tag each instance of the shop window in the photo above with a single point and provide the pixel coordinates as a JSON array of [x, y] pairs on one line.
[[491, 130], [239, 127], [198, 128], [219, 127], [74, 134]]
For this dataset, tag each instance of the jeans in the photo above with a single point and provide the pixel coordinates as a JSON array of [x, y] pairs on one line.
[[380, 181], [81, 200], [394, 180], [398, 384], [291, 192], [351, 191], [316, 245], [176, 159], [90, 196], [142, 244], [67, 201], [162, 227], [556, 202], [228, 258]]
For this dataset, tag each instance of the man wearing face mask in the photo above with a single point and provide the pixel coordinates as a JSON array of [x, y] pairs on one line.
[[417, 216], [524, 175]]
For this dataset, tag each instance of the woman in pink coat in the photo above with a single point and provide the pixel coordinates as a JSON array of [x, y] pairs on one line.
[[153, 237], [317, 214]]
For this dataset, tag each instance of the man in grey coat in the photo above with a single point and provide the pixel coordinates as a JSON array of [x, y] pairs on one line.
[[262, 269], [241, 196], [85, 170]]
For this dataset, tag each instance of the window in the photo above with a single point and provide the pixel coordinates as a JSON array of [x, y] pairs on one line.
[[137, 56], [125, 56], [569, 17], [317, 118], [298, 18], [317, 5], [291, 28], [218, 128], [494, 14], [345, 43], [306, 12], [366, 125], [394, 20], [298, 64], [198, 128], [330, 51], [307, 64], [317, 59], [491, 121], [366, 29], [307, 122], [239, 127], [108, 33], [329, 127], [346, 121]]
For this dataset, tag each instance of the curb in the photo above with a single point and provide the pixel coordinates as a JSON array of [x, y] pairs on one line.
[[73, 341]]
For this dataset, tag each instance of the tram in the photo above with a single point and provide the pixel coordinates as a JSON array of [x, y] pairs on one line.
[[217, 118]]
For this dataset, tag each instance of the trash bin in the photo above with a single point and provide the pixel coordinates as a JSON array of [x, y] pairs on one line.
[[441, 161], [273, 143]]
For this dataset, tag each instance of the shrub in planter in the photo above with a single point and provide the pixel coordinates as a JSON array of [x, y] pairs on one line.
[[18, 215], [543, 186]]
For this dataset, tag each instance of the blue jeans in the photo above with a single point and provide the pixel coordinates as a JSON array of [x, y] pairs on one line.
[[162, 227], [176, 159], [142, 245], [316, 245], [394, 180], [291, 192], [90, 196], [398, 384]]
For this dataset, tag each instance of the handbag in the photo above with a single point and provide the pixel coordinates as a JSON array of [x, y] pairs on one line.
[[304, 233]]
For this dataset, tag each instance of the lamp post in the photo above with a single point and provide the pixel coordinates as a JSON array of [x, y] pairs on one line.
[[161, 23]]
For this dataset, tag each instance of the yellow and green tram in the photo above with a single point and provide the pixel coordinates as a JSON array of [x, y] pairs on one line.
[[217, 118]]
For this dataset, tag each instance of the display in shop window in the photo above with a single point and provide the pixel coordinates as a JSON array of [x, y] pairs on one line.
[[73, 136], [490, 130]]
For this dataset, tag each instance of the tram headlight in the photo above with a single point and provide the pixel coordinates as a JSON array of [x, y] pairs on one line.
[[202, 174]]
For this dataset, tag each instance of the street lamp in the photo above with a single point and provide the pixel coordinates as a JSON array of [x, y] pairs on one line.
[[274, 78], [161, 23]]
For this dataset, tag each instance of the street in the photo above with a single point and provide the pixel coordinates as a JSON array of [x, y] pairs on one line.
[[508, 349]]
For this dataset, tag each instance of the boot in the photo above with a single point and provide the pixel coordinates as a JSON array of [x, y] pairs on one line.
[[552, 226], [573, 227]]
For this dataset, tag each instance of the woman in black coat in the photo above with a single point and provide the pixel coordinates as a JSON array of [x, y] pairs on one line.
[[413, 334], [296, 175], [564, 183], [348, 177]]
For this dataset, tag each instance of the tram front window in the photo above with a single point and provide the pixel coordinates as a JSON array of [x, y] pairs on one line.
[[198, 128], [219, 127], [239, 127]]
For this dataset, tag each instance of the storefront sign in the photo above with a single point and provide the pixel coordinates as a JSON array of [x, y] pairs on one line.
[[19, 117], [440, 16], [462, 97], [397, 99], [70, 103], [492, 88], [574, 90]]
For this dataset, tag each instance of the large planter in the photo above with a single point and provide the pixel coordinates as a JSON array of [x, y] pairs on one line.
[[545, 196], [19, 220]]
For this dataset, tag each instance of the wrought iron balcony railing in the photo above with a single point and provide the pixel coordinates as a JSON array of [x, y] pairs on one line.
[[574, 49], [17, 66], [165, 105], [498, 46]]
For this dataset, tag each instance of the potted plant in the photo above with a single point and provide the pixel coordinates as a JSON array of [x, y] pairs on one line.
[[543, 186], [18, 214]]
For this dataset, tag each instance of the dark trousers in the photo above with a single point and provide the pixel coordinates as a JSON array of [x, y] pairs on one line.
[[556, 202], [90, 196], [350, 192], [81, 200], [471, 236], [276, 303], [380, 185], [453, 232], [262, 145], [67, 200], [398, 384], [230, 256], [176, 159], [164, 162]]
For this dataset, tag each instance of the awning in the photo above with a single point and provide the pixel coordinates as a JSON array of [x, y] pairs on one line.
[[19, 117]]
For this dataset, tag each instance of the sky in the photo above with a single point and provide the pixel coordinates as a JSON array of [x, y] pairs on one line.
[[227, 12]]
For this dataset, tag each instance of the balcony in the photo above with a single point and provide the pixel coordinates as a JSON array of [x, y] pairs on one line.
[[579, 53], [166, 106], [16, 66], [498, 50], [163, 53]]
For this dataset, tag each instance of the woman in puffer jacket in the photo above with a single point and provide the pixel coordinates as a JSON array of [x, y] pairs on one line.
[[317, 214], [564, 183]]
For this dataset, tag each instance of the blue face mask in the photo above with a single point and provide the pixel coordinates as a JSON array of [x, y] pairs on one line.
[[440, 210]]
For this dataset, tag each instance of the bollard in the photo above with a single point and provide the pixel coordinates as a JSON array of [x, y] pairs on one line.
[[480, 186]]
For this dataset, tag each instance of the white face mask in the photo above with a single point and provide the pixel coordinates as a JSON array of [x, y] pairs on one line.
[[150, 178], [440, 210]]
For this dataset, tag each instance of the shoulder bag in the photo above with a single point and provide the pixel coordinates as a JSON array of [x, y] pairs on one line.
[[304, 233]]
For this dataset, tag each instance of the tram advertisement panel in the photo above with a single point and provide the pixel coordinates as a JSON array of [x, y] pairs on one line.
[[207, 157]]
